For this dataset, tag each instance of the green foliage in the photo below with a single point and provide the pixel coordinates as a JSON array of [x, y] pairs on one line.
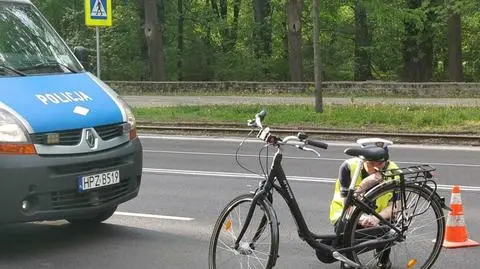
[[471, 50], [121, 46], [206, 57]]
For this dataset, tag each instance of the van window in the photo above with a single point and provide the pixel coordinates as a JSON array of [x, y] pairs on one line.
[[29, 45]]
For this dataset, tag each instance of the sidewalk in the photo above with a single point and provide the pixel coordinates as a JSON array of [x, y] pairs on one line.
[[155, 101]]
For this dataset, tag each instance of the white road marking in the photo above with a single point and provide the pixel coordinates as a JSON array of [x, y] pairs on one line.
[[151, 216], [290, 178], [330, 143], [236, 175], [298, 158]]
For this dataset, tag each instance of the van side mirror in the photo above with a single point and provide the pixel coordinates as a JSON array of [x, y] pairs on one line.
[[81, 53]]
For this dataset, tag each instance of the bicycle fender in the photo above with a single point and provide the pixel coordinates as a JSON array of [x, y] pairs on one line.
[[426, 188], [273, 214], [437, 197]]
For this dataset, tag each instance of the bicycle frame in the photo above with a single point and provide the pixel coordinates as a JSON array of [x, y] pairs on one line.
[[407, 190], [284, 189]]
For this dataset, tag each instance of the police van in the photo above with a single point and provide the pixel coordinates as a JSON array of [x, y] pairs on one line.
[[68, 143]]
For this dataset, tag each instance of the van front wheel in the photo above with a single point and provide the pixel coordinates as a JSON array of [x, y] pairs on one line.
[[95, 219]]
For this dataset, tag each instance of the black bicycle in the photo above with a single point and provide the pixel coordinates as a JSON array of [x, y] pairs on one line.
[[246, 234]]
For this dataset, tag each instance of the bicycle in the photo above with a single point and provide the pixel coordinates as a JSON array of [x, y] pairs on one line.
[[254, 239]]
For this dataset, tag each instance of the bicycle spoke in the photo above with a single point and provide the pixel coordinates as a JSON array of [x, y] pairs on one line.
[[423, 221], [220, 264], [249, 254], [226, 247], [239, 218], [252, 265], [260, 261]]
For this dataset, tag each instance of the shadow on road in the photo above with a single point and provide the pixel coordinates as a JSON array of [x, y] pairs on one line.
[[52, 236], [106, 246]]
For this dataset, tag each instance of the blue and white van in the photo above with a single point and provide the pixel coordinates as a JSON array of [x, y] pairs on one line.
[[68, 143]]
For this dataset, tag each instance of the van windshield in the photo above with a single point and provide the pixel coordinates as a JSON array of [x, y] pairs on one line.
[[29, 45]]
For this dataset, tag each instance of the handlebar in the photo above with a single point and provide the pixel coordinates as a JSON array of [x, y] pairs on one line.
[[316, 143], [257, 121], [300, 140]]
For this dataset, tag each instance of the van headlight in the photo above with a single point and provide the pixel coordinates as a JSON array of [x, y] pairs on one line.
[[10, 128], [131, 126], [13, 136]]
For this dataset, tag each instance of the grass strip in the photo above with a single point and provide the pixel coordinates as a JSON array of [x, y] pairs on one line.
[[358, 117]]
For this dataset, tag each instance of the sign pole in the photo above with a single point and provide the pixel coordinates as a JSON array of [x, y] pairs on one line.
[[98, 13], [97, 29]]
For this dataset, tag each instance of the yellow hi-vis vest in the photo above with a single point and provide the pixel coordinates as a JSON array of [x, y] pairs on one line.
[[336, 207]]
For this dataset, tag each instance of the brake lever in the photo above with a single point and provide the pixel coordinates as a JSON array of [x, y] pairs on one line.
[[251, 123], [308, 149]]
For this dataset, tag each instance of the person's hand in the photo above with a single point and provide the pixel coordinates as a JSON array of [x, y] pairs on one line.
[[368, 221], [370, 181]]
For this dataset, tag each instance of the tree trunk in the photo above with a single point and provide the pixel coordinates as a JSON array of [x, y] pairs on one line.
[[316, 57], [181, 19], [154, 39], [144, 49], [207, 42], [262, 31], [418, 48], [294, 11], [363, 41], [224, 27], [227, 32], [234, 29], [454, 37], [410, 51]]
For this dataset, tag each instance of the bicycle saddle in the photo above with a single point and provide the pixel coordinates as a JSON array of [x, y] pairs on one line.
[[370, 154]]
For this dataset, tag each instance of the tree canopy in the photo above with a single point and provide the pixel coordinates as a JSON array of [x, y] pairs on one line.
[[272, 40]]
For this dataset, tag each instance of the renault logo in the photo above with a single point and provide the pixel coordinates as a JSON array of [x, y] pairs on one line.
[[90, 138]]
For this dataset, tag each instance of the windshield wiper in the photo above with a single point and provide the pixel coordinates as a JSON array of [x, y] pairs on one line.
[[13, 70], [50, 64]]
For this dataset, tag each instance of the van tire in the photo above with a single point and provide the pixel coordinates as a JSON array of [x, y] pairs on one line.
[[95, 219]]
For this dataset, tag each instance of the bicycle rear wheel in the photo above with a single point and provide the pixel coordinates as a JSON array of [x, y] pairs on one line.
[[420, 242], [258, 246]]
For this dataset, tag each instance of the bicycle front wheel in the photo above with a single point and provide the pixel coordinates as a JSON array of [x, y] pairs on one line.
[[258, 247], [421, 222]]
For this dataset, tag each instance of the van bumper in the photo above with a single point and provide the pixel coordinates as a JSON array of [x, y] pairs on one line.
[[50, 183]]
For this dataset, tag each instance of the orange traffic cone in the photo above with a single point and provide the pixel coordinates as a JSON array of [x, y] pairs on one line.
[[456, 235]]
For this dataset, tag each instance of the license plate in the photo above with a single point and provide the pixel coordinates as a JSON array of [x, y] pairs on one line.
[[98, 180]]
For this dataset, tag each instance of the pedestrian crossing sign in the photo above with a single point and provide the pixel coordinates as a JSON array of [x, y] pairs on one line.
[[98, 12]]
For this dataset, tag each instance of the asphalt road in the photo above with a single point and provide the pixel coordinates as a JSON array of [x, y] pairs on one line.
[[155, 101], [186, 183]]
